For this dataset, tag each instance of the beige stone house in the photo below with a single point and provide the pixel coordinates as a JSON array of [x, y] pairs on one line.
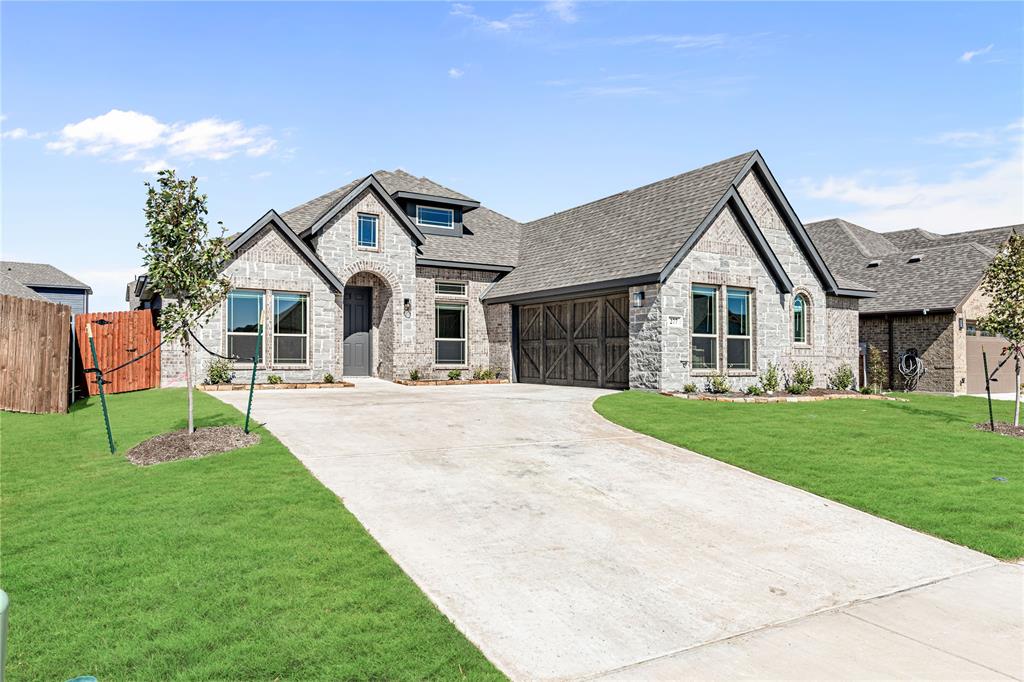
[[928, 298], [708, 271]]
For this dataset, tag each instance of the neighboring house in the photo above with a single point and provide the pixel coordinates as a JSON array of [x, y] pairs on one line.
[[49, 283], [139, 295], [651, 288], [928, 296]]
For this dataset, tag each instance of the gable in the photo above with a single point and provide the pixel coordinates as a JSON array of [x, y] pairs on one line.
[[371, 184], [270, 238]]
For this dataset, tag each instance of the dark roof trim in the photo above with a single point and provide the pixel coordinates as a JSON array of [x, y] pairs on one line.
[[855, 293], [435, 199], [594, 288], [908, 312], [272, 218], [370, 182], [430, 262], [785, 209], [68, 287], [732, 200]]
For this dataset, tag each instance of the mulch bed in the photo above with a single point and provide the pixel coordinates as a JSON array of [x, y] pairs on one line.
[[271, 387], [169, 447], [448, 382], [810, 395], [1005, 429]]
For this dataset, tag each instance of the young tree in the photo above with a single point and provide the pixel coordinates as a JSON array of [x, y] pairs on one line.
[[183, 262], [1004, 284]]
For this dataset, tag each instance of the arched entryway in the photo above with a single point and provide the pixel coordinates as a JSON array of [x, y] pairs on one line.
[[368, 322]]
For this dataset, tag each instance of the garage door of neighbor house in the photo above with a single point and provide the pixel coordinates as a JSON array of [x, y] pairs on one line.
[[993, 346], [578, 342]]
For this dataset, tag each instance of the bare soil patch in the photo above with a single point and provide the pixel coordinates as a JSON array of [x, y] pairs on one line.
[[1005, 429], [168, 447]]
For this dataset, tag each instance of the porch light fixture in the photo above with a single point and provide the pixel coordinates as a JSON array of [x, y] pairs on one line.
[[638, 299], [407, 307]]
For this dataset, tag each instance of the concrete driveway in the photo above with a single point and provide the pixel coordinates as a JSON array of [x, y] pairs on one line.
[[567, 547]]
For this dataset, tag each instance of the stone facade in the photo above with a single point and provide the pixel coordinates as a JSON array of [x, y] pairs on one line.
[[724, 257], [400, 341]]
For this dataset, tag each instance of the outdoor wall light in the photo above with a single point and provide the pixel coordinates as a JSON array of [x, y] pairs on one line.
[[407, 307], [961, 322], [638, 299]]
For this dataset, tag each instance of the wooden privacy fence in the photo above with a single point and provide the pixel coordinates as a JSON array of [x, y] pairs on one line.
[[35, 338], [127, 336]]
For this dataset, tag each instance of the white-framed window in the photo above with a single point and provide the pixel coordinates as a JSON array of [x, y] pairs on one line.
[[431, 216], [704, 336], [450, 333], [449, 288], [244, 308], [366, 231], [291, 338], [800, 307], [737, 340]]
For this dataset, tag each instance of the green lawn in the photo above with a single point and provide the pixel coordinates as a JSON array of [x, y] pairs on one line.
[[918, 463], [239, 566]]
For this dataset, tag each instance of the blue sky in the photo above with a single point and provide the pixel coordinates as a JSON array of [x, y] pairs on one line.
[[891, 115]]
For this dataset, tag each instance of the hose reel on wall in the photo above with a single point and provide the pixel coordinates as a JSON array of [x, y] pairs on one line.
[[911, 368]]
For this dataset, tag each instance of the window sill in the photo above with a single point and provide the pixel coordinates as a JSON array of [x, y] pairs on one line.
[[741, 373], [370, 249], [443, 367]]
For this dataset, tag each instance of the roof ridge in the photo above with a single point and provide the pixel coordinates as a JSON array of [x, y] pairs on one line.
[[649, 184]]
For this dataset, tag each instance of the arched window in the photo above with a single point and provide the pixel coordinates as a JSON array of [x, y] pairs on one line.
[[800, 307]]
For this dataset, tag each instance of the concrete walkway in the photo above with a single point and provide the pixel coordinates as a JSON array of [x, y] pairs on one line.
[[567, 547]]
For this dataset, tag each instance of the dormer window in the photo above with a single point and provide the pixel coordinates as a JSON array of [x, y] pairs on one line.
[[430, 216], [874, 263], [916, 258]]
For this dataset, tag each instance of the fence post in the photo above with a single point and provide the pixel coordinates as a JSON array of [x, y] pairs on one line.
[[99, 382], [255, 360]]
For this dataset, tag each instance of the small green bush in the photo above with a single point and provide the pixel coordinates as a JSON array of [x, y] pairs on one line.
[[328, 378], [866, 390], [414, 375], [454, 375], [755, 389], [690, 388], [802, 379], [877, 371], [841, 379], [484, 374], [274, 379], [769, 378], [219, 372], [717, 383]]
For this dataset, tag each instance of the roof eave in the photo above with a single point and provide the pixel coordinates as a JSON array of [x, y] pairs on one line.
[[436, 199], [369, 182], [272, 218], [594, 288]]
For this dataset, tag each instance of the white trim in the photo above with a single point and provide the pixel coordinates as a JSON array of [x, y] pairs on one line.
[[464, 285], [278, 364], [449, 211], [465, 332], [748, 336], [376, 231], [715, 312]]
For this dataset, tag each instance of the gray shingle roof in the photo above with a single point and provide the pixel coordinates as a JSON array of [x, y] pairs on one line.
[[42, 275], [12, 287], [950, 267], [490, 238], [629, 234]]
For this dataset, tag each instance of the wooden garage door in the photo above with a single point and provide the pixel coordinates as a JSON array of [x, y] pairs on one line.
[[993, 346], [579, 342]]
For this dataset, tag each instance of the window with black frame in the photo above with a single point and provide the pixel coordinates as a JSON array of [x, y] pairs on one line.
[[450, 334], [243, 319], [290, 330]]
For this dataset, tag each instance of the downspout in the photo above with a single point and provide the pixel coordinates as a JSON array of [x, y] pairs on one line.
[[892, 351]]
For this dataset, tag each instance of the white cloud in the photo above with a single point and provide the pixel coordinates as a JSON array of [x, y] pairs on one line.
[[616, 91], [971, 54], [512, 22], [130, 135], [964, 138], [456, 73], [565, 10], [154, 166], [684, 41], [260, 176], [984, 193], [14, 134]]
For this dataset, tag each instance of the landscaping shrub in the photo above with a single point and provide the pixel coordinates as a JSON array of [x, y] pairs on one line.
[[484, 374], [754, 389], [866, 390], [219, 372], [802, 379], [328, 378], [717, 383], [275, 379], [454, 375], [841, 379], [690, 388], [414, 375], [876, 369], [769, 378]]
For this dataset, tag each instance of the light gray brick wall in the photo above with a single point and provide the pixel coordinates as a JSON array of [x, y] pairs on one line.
[[725, 257], [488, 327], [646, 337], [267, 264]]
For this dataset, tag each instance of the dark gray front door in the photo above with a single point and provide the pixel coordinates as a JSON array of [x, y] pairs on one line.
[[358, 302]]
